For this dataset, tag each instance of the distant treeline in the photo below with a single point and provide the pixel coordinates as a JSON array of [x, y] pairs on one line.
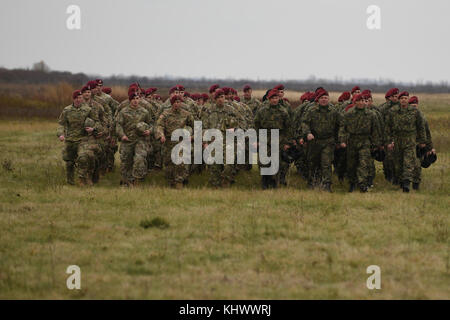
[[22, 76]]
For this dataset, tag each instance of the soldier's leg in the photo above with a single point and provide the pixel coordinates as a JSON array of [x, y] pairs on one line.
[[363, 169], [85, 164], [140, 168], [352, 160], [314, 151], [326, 160], [397, 157], [215, 175], [417, 174], [371, 172], [409, 160], [70, 154], [284, 168], [126, 161]]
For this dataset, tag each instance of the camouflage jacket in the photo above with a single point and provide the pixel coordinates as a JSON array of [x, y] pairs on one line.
[[360, 125], [172, 119], [322, 122], [127, 120], [221, 118], [253, 103], [274, 117], [71, 122], [404, 122]]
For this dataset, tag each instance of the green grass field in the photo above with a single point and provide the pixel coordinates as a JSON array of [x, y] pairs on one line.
[[240, 243]]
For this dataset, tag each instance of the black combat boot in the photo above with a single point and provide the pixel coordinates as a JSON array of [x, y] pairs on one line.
[[370, 182], [416, 185], [405, 186], [363, 188], [327, 187], [352, 187], [265, 184], [70, 171]]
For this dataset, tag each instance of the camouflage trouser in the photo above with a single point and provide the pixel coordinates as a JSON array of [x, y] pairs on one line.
[[358, 162], [156, 155], [175, 173], [221, 173], [404, 157], [301, 163], [388, 164], [78, 154], [340, 162], [133, 158], [110, 152], [320, 158], [271, 181], [372, 169], [417, 172]]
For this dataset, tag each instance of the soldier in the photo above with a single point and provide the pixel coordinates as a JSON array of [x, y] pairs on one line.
[[155, 160], [274, 116], [73, 132], [320, 129], [101, 139], [170, 120], [417, 173], [358, 133], [404, 129], [253, 103], [135, 144], [343, 101], [221, 116], [391, 97]]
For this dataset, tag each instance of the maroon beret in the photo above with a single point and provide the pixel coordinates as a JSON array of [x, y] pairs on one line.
[[99, 82], [76, 94], [149, 91], [236, 98], [246, 88], [92, 84], [132, 95], [366, 95], [218, 93], [107, 90], [157, 96], [358, 97], [320, 93], [391, 92], [196, 96], [180, 87], [85, 88], [367, 91], [213, 88], [176, 98], [279, 87], [233, 91], [226, 90], [344, 96], [173, 89], [187, 94], [132, 90], [413, 100], [272, 93], [355, 88], [205, 96], [304, 96], [403, 93]]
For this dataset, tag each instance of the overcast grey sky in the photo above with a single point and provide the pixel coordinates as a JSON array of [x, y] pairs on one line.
[[255, 39]]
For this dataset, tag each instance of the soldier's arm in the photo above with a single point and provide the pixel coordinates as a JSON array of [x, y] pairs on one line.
[[62, 128], [429, 141], [420, 125], [119, 126], [388, 129], [190, 124], [149, 120], [159, 129], [375, 131], [93, 114], [343, 134], [305, 127]]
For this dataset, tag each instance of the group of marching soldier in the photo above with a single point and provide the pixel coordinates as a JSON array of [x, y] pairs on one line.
[[315, 137]]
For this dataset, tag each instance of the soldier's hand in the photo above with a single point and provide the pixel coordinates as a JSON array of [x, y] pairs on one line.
[[125, 138], [89, 129], [343, 145], [390, 146], [381, 147], [301, 141], [163, 139], [61, 138], [285, 147], [294, 142], [146, 133], [422, 145], [310, 136]]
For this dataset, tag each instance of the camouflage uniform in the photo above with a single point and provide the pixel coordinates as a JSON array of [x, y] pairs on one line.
[[360, 132], [274, 117], [388, 163], [221, 118], [323, 122], [405, 127], [72, 127], [253, 103], [133, 153], [301, 163], [417, 172], [170, 120]]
